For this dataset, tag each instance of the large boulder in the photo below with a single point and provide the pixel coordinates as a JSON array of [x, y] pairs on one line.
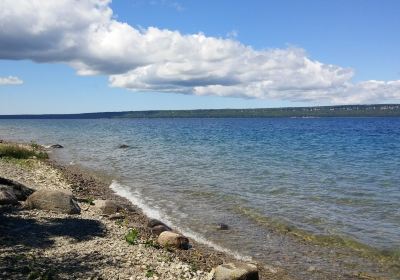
[[7, 197], [21, 192], [172, 239], [107, 207], [235, 271], [55, 200]]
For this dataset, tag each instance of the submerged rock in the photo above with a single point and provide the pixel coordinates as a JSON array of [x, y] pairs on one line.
[[54, 146], [235, 271], [54, 200], [222, 226], [123, 146], [107, 207], [172, 239], [20, 191], [7, 197]]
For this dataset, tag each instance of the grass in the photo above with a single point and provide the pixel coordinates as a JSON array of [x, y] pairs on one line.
[[21, 152]]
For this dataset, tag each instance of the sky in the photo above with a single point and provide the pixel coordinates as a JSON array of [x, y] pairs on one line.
[[70, 56]]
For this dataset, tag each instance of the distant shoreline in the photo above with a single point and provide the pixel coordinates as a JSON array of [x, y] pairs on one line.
[[371, 110]]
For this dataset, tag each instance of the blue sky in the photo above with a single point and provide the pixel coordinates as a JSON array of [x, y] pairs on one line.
[[359, 37]]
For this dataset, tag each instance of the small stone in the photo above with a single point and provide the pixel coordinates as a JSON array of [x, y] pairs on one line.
[[222, 226]]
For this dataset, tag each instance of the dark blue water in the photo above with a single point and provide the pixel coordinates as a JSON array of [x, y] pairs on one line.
[[330, 176]]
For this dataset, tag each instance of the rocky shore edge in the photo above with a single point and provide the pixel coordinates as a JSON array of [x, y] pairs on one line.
[[63, 222]]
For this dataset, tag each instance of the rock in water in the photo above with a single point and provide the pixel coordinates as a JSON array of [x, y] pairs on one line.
[[172, 239], [21, 192], [54, 200], [235, 271], [107, 207], [222, 226], [154, 222], [7, 197], [54, 146], [123, 146], [157, 230]]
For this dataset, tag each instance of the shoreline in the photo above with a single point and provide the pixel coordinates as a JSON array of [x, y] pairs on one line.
[[86, 184]]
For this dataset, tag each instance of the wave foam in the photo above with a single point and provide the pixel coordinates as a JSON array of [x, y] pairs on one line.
[[153, 212]]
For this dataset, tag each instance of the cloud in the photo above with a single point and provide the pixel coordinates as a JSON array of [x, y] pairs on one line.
[[10, 80], [85, 35]]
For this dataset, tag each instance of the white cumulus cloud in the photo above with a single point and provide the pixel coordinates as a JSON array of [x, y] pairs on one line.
[[10, 80], [85, 35]]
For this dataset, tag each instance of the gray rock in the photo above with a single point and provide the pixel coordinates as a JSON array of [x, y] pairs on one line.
[[123, 146], [172, 239], [154, 222], [54, 200], [21, 192], [157, 230], [7, 197], [235, 271], [107, 207], [222, 226], [56, 146]]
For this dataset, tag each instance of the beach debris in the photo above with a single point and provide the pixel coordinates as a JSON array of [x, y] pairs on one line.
[[235, 271], [7, 197], [61, 201], [123, 146], [107, 207], [222, 226], [172, 239], [20, 191]]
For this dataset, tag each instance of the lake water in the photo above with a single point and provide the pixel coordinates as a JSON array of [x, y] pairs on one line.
[[296, 193]]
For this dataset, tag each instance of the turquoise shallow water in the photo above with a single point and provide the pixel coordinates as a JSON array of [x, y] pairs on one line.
[[329, 176]]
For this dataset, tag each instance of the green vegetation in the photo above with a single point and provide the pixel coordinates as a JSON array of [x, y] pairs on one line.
[[21, 152], [389, 257], [132, 236], [374, 110], [88, 200], [150, 273], [36, 272]]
